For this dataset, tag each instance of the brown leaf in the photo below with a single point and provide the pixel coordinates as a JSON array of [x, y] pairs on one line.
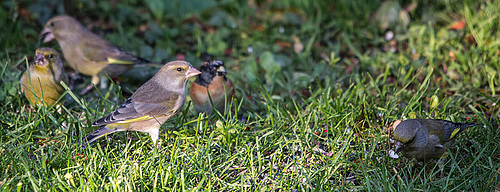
[[143, 27], [283, 45], [470, 39]]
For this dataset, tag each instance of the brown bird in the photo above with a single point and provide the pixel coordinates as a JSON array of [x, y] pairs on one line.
[[151, 105], [212, 84], [41, 82], [425, 139], [86, 52]]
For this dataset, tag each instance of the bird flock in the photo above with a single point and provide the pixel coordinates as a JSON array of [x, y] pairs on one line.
[[164, 95]]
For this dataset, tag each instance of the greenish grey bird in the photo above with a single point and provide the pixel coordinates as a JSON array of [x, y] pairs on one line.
[[425, 139], [41, 83], [151, 105], [86, 52]]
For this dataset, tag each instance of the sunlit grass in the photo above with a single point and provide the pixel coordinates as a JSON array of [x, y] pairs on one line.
[[317, 119]]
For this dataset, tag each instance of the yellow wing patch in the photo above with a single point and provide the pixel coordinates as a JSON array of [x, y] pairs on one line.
[[117, 61], [126, 123], [143, 118], [454, 132]]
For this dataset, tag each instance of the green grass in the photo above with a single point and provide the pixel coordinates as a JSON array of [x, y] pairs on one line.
[[311, 119]]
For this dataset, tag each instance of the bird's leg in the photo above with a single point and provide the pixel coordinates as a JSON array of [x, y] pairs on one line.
[[95, 80], [441, 167], [154, 134], [441, 163], [104, 82], [59, 110]]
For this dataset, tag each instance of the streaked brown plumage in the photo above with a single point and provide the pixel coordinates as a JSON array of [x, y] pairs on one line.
[[211, 84], [42, 81], [85, 51], [151, 105], [425, 139]]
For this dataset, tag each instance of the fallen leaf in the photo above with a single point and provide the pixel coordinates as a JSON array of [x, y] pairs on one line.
[[411, 6], [228, 52], [297, 45], [393, 154], [452, 55], [395, 124], [180, 56], [283, 45], [143, 27], [470, 39], [458, 25], [387, 14]]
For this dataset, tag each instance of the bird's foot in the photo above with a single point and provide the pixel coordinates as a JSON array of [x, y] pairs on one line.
[[87, 89]]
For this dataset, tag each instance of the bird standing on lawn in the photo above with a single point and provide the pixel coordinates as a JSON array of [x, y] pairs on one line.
[[86, 52], [212, 84], [425, 139], [41, 82], [151, 105]]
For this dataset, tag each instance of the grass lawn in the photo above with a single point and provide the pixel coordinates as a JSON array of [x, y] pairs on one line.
[[318, 86]]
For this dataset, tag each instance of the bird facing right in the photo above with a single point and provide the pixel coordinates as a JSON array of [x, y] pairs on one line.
[[425, 139], [151, 105], [212, 84]]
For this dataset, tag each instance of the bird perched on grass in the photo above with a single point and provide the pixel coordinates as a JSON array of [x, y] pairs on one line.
[[212, 84], [425, 139], [86, 52], [151, 105], [41, 82]]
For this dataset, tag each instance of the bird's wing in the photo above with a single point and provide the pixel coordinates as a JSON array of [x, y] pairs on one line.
[[62, 78], [117, 55], [103, 51], [456, 128], [134, 110], [447, 130]]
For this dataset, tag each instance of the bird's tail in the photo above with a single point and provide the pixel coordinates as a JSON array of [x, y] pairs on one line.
[[102, 131], [459, 127], [141, 60], [150, 64], [467, 125]]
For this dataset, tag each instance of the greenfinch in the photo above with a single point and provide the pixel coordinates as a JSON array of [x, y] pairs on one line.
[[211, 87], [425, 139], [41, 83], [86, 52], [151, 105]]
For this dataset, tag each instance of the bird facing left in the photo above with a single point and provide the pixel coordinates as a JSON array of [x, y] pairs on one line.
[[212, 86], [41, 82], [87, 52], [151, 105], [425, 139]]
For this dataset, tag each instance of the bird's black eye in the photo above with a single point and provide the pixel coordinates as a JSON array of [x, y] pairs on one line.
[[51, 56], [179, 69], [52, 24]]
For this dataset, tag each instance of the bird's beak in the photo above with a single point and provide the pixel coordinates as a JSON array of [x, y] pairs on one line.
[[398, 147], [221, 71], [46, 35], [39, 59], [192, 72]]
